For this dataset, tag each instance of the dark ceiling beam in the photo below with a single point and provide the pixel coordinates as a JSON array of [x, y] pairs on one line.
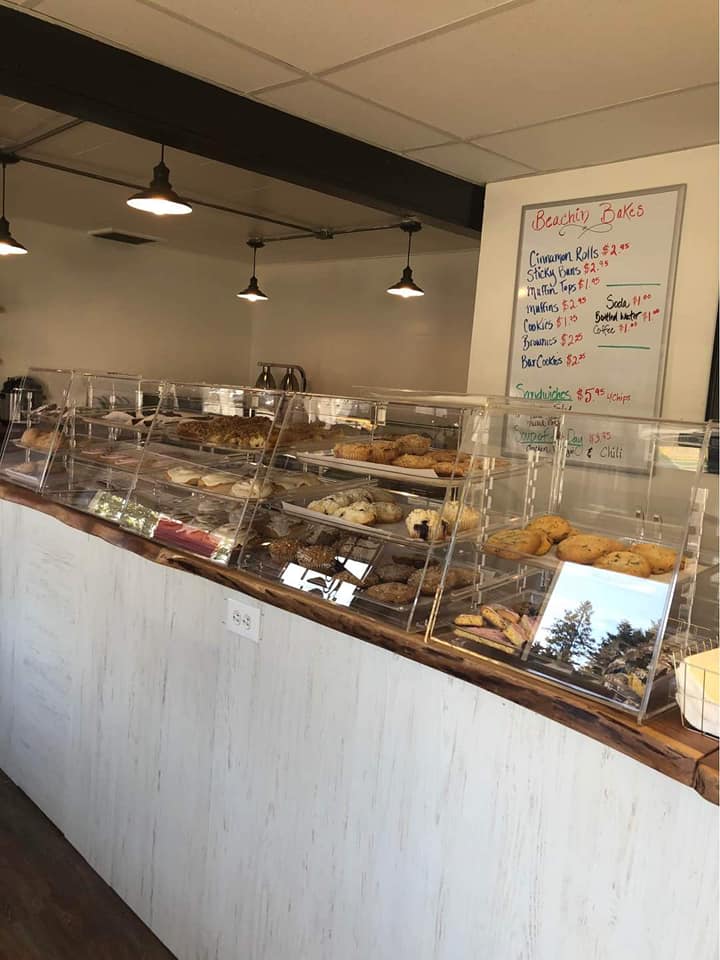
[[56, 68]]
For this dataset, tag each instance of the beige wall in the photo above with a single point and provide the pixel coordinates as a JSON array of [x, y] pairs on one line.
[[696, 290], [76, 301], [336, 319]]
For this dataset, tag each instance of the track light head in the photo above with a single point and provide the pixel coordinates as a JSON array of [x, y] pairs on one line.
[[252, 291], [160, 198]]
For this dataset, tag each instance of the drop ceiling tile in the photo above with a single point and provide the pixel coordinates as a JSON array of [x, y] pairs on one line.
[[471, 163], [152, 34], [22, 121], [541, 61], [318, 34], [341, 111], [673, 122]]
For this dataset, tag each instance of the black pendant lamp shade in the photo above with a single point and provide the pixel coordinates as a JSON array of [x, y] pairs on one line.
[[160, 198], [252, 291], [406, 286], [9, 246]]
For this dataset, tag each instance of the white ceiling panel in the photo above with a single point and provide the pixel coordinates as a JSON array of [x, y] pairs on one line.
[[470, 163], [341, 111], [170, 41], [321, 33], [22, 121], [673, 122], [541, 61]]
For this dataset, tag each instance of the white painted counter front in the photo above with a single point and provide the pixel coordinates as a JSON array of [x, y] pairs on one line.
[[314, 797]]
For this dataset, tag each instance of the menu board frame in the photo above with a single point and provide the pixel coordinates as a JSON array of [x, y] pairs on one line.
[[658, 369]]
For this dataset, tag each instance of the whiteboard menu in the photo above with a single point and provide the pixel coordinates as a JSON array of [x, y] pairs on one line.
[[593, 298]]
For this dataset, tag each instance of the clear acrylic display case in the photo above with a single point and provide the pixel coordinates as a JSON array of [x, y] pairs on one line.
[[204, 467], [379, 501], [601, 600]]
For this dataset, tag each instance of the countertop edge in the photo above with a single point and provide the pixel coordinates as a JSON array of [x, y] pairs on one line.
[[663, 743]]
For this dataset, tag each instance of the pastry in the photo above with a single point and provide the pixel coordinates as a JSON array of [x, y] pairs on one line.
[[216, 482], [252, 489], [359, 512], [624, 561], [412, 461], [661, 559], [511, 543], [429, 580], [557, 528], [449, 468], [387, 512], [184, 475], [316, 557], [352, 451], [467, 518], [346, 577], [426, 525], [356, 493], [469, 620], [391, 592], [545, 544], [383, 451], [444, 456], [326, 505], [30, 436], [413, 443], [284, 549], [586, 547], [394, 572]]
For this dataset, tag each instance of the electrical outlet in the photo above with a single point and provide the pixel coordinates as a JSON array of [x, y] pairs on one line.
[[243, 619]]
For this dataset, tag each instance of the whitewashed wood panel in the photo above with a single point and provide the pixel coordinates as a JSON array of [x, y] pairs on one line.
[[313, 797]]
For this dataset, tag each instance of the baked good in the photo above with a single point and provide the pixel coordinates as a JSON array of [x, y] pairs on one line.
[[586, 547], [661, 559], [29, 436], [515, 635], [346, 577], [494, 617], [327, 505], [119, 417], [359, 512], [316, 557], [356, 493], [391, 592], [513, 543], [624, 561], [284, 549], [394, 572], [352, 451], [184, 475], [412, 461], [469, 620], [387, 512], [426, 525], [450, 468], [445, 456], [216, 482], [383, 451], [557, 528], [413, 444], [429, 580], [253, 489], [467, 518], [545, 544]]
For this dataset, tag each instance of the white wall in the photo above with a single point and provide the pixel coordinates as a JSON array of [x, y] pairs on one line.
[[696, 290], [75, 301], [336, 319]]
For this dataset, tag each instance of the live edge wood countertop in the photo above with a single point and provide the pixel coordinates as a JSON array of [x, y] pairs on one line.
[[662, 743]]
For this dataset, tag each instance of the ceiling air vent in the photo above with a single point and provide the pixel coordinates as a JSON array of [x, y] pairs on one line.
[[135, 239]]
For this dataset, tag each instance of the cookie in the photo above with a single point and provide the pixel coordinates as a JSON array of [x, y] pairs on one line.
[[426, 525], [413, 443], [394, 572], [412, 461], [545, 544], [391, 592], [387, 512], [316, 557], [661, 559], [557, 528], [467, 518], [284, 549], [511, 543], [360, 512], [383, 451], [624, 561], [586, 547], [352, 451]]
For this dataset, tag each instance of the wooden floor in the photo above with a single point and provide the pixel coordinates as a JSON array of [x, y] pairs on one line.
[[53, 906]]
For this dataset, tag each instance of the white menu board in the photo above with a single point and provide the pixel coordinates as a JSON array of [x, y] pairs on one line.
[[593, 298]]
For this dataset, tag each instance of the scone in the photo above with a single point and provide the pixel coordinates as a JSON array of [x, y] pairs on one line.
[[352, 451], [512, 544], [387, 512], [467, 518], [557, 528], [586, 548], [426, 525], [412, 461], [383, 451], [360, 512], [327, 505], [413, 443], [624, 561], [391, 592], [661, 559]]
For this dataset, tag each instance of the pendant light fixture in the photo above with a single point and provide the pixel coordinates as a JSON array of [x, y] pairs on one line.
[[160, 198], [252, 291], [406, 286], [9, 246]]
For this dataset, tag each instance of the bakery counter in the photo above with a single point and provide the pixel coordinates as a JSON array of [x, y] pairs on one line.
[[322, 793]]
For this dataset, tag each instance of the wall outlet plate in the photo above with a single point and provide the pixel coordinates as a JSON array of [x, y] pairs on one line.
[[243, 619]]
